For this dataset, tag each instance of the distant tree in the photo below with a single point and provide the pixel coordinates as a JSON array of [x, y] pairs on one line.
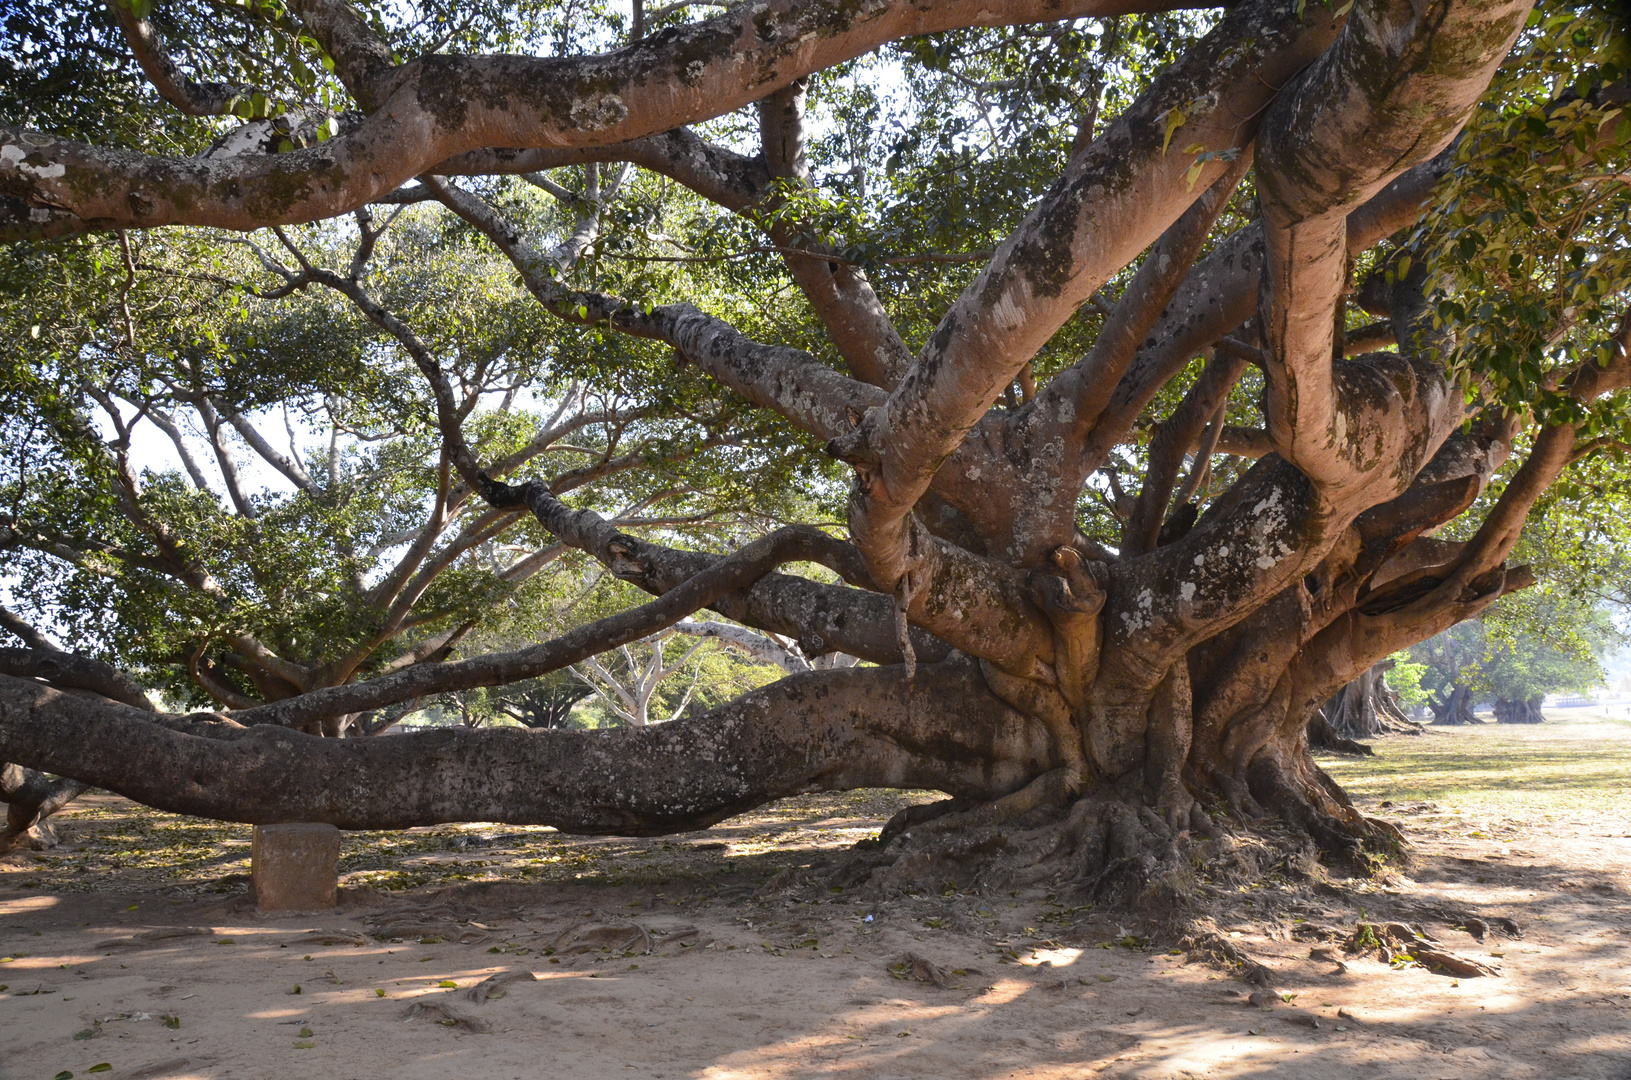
[[1523, 649], [1451, 658], [542, 704], [1364, 709], [1404, 679]]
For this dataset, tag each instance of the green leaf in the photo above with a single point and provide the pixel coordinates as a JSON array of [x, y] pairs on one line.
[[101, 1066], [63, 1075]]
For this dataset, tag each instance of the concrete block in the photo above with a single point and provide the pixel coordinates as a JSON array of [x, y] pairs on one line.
[[296, 867]]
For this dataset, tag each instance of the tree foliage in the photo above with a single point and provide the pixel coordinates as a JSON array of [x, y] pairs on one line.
[[1115, 387], [1524, 648]]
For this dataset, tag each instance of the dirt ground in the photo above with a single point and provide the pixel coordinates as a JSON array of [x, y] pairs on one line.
[[132, 950]]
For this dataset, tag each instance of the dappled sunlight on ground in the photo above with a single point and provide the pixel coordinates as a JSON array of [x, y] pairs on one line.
[[748, 977]]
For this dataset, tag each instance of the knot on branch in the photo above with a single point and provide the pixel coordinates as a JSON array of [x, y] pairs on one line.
[[858, 446], [1071, 592], [624, 565], [1072, 588], [502, 496]]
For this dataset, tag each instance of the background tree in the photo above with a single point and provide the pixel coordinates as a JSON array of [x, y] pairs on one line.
[[1366, 708], [367, 556], [1523, 649], [1404, 679], [541, 704], [1182, 366], [1451, 658]]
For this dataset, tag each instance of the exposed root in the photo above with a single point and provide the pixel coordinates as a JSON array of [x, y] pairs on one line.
[[28, 799], [1109, 849], [494, 987], [914, 967], [1311, 803], [1404, 945], [1205, 943], [444, 1015]]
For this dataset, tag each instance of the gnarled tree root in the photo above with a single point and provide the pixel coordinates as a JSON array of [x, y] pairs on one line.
[[1114, 850], [30, 798], [1399, 942]]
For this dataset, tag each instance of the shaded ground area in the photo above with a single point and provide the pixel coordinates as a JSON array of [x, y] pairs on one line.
[[724, 955]]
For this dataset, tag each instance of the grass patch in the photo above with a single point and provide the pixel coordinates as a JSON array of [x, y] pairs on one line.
[[1542, 771]]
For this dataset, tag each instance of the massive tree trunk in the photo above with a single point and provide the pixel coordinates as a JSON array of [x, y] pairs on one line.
[[1084, 708], [1364, 709], [1454, 707], [1519, 712]]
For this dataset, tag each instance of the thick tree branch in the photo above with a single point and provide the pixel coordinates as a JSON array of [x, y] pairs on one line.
[[826, 730], [440, 106], [727, 575], [840, 294], [1394, 89], [1115, 198], [174, 85], [789, 381], [70, 671]]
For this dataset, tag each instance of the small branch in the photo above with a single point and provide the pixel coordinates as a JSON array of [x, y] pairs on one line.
[[174, 85], [836, 260]]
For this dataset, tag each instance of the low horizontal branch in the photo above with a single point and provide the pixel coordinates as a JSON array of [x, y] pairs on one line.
[[72, 672]]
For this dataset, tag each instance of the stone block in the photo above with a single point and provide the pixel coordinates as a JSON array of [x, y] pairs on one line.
[[296, 867]]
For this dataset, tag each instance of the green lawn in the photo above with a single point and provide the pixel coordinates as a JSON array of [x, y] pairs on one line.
[[1579, 764]]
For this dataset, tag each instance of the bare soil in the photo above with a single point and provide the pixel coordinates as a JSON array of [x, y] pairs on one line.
[[722, 955]]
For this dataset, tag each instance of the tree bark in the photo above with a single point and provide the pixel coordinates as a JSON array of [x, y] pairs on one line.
[[827, 730]]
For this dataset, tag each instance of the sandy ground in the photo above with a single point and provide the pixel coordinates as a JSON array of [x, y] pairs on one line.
[[689, 957]]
